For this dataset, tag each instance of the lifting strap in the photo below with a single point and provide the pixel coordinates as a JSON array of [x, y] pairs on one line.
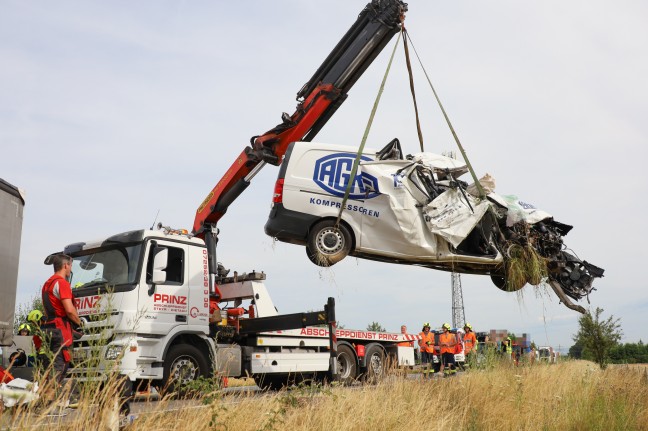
[[482, 194], [411, 81], [356, 162]]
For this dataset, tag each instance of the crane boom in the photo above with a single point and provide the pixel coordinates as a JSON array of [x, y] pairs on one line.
[[317, 100]]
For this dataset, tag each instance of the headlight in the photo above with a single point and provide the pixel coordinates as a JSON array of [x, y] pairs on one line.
[[113, 352]]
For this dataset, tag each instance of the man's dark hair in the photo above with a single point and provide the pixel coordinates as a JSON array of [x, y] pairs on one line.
[[58, 260]]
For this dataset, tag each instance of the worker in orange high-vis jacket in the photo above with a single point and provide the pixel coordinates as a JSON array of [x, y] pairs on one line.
[[426, 344], [447, 342], [470, 344], [405, 343]]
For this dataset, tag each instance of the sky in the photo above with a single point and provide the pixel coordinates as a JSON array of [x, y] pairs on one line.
[[116, 114]]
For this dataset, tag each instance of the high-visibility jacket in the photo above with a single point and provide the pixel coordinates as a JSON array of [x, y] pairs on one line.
[[449, 339], [423, 342], [508, 348], [470, 341], [406, 344], [37, 339]]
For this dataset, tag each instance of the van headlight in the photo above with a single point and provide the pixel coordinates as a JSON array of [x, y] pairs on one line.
[[113, 352]]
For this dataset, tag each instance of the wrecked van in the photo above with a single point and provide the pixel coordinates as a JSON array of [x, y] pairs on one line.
[[416, 210]]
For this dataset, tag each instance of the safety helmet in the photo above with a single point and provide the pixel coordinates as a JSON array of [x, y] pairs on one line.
[[468, 325], [35, 316], [24, 326], [426, 324], [446, 326]]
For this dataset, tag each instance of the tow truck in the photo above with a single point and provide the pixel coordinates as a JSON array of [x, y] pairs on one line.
[[145, 295]]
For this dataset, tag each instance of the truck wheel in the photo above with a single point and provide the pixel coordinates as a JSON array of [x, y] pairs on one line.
[[347, 364], [327, 245], [376, 365], [183, 364]]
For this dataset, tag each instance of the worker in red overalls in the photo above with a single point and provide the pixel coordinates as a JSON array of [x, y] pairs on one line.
[[60, 314]]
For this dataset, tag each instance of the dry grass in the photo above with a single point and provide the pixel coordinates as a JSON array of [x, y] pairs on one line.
[[243, 381], [572, 395], [516, 268], [524, 265]]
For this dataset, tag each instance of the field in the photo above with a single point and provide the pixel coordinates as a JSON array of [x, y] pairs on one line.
[[571, 395]]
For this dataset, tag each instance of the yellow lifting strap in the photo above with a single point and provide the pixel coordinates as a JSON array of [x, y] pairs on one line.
[[356, 162]]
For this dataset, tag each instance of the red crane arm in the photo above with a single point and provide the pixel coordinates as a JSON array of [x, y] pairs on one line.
[[322, 96], [274, 142]]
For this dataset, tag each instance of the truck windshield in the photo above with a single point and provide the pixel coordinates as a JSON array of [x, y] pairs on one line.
[[112, 266]]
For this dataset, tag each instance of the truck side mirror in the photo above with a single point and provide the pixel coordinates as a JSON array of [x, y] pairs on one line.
[[157, 263], [160, 262]]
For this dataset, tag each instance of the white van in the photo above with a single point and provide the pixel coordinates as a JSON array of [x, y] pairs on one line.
[[411, 210]]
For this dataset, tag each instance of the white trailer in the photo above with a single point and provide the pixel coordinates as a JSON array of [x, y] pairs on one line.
[[11, 218]]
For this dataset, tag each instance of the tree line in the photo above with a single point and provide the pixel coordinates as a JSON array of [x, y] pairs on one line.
[[624, 353]]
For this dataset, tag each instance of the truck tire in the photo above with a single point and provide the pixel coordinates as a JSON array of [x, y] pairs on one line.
[[347, 364], [327, 245], [376, 366], [184, 363]]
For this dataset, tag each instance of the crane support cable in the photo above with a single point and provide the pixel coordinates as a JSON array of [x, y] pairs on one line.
[[482, 194], [411, 82], [356, 162]]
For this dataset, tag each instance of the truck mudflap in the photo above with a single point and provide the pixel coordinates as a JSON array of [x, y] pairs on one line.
[[228, 360]]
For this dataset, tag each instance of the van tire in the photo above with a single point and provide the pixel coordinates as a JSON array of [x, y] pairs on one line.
[[327, 245], [502, 283]]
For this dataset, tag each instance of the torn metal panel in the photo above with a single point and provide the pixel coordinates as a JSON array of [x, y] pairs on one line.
[[519, 211], [453, 217]]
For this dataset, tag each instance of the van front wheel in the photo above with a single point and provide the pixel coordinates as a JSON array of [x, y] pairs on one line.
[[327, 244]]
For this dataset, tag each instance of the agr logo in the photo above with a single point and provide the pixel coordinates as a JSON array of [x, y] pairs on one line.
[[332, 173]]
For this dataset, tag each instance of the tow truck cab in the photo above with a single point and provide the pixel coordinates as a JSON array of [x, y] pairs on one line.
[[140, 293]]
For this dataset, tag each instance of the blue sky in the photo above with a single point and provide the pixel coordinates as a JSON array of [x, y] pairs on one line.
[[113, 111]]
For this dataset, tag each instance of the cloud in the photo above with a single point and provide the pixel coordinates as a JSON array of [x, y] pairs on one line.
[[109, 114]]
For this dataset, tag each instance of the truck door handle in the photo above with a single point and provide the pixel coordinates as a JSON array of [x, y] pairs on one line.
[[181, 318]]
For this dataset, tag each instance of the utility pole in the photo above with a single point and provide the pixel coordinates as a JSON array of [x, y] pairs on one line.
[[458, 315]]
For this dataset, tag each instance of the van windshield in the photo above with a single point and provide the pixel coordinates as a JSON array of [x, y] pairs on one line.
[[111, 266]]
